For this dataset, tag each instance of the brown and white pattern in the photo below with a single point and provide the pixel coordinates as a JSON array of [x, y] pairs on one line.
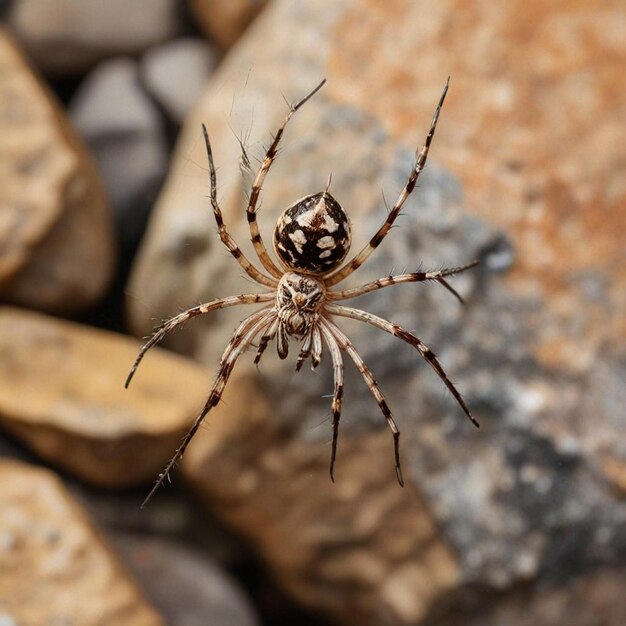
[[311, 240], [312, 235]]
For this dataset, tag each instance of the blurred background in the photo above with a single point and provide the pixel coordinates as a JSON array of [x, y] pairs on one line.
[[106, 228]]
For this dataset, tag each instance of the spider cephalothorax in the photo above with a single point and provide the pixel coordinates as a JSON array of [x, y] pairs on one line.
[[299, 299], [311, 239], [313, 234]]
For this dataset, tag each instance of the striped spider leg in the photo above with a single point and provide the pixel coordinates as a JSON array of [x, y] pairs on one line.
[[413, 340], [414, 277], [335, 353], [226, 238], [240, 342], [270, 155], [181, 318], [331, 331], [374, 242], [311, 240]]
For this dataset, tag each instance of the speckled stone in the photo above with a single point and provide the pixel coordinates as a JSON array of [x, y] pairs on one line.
[[536, 494], [62, 394], [57, 249], [56, 569]]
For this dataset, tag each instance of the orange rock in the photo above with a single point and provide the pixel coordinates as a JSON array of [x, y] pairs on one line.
[[57, 251], [225, 20], [62, 394], [362, 531], [524, 173], [55, 566], [533, 126]]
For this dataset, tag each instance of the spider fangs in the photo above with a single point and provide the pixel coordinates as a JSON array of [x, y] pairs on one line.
[[311, 240]]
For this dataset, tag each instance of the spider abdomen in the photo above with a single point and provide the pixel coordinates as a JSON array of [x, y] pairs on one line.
[[313, 234]]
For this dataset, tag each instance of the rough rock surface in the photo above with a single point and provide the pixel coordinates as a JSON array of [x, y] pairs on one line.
[[69, 36], [62, 394], [225, 20], [123, 128], [175, 74], [55, 567], [56, 237], [527, 512], [364, 531]]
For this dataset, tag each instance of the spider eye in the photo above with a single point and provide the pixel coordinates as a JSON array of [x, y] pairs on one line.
[[313, 234]]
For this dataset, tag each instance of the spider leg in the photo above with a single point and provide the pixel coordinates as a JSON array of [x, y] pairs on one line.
[[415, 277], [267, 336], [335, 354], [446, 285], [240, 341], [270, 155], [227, 240], [181, 318], [412, 340], [346, 344], [420, 161]]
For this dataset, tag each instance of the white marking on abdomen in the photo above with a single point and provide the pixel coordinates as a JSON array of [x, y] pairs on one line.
[[326, 242], [298, 239], [330, 224], [306, 218]]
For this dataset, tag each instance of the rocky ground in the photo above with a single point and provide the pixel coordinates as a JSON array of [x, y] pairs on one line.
[[105, 227]]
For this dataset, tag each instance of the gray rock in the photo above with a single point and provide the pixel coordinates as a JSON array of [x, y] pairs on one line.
[[124, 131], [69, 36], [188, 588], [499, 523], [176, 73]]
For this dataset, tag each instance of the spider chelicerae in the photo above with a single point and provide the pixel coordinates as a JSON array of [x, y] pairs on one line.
[[311, 240]]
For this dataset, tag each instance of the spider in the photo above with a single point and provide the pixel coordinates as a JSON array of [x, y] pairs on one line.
[[311, 240]]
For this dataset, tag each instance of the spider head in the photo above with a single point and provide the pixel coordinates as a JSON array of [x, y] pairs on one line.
[[312, 236], [300, 293], [298, 300]]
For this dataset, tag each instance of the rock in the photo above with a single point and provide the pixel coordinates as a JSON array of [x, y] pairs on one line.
[[55, 566], [56, 237], [363, 531], [366, 532], [62, 394], [175, 74], [526, 513], [224, 21], [123, 128], [186, 587], [595, 599], [69, 36]]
